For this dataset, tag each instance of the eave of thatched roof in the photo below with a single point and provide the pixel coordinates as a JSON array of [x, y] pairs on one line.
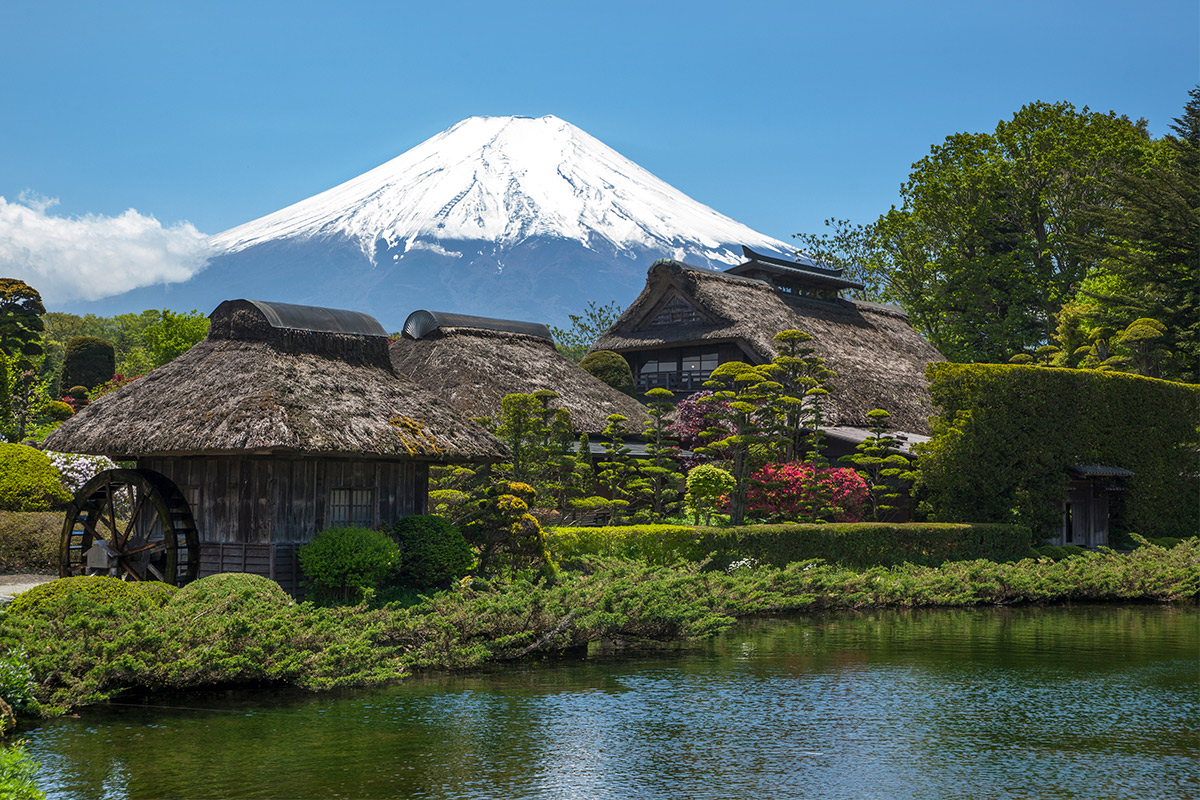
[[474, 369], [879, 359], [250, 388]]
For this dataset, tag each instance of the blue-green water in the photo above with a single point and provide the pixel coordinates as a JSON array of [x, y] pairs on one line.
[[1086, 702]]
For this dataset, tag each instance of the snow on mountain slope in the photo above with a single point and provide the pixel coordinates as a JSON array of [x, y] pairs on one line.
[[505, 180]]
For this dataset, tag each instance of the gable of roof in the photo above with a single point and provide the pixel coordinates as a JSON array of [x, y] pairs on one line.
[[879, 359]]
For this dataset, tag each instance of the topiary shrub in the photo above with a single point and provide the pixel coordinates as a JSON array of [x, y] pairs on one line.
[[28, 481], [58, 411], [226, 591], [610, 367], [433, 551], [64, 596], [348, 564], [707, 486], [87, 362], [77, 397]]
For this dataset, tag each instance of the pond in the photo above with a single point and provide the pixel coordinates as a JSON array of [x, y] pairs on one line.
[[1086, 702]]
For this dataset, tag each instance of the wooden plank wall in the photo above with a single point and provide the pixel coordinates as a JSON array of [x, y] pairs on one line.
[[279, 562], [262, 499]]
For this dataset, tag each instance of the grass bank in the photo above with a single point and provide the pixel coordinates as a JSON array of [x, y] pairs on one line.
[[85, 646]]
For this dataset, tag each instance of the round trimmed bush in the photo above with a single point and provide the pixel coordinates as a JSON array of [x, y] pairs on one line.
[[28, 480], [348, 563], [433, 551], [610, 367], [84, 592], [58, 411], [227, 591]]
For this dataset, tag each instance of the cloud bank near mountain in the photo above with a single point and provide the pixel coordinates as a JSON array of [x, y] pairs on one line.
[[94, 256]]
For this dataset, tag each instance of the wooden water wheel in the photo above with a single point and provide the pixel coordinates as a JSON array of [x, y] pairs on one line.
[[132, 524]]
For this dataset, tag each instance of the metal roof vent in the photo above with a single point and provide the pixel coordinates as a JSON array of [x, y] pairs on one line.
[[423, 323]]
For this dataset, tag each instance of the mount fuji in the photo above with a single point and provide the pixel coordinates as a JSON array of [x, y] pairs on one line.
[[518, 217]]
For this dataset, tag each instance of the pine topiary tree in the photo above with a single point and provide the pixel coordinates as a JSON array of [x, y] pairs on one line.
[[878, 461], [660, 472]]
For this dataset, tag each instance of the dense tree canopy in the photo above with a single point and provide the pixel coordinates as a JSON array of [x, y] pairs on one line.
[[1063, 237]]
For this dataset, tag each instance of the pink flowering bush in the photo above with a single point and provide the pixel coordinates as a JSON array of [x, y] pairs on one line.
[[798, 492]]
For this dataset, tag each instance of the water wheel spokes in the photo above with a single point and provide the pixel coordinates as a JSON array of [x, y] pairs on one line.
[[132, 524]]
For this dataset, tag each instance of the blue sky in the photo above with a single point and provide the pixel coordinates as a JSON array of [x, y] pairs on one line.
[[778, 114]]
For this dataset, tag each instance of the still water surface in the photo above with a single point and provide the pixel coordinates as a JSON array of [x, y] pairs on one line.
[[1083, 702]]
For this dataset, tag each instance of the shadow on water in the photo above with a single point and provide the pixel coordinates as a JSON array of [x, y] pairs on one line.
[[1087, 702]]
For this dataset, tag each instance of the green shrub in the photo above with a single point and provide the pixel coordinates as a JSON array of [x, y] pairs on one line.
[[1073, 549], [1005, 435], [16, 682], [610, 367], [707, 485], [227, 591], [29, 540], [1052, 551], [852, 544], [58, 411], [28, 480], [17, 773], [433, 551], [348, 564], [80, 593], [87, 362]]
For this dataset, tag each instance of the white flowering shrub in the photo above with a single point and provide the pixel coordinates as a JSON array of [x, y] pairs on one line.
[[74, 470]]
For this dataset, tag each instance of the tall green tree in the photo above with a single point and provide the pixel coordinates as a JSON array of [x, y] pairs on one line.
[[1148, 261], [995, 231], [575, 341], [20, 334]]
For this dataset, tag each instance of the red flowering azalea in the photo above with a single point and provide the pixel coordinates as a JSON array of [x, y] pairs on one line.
[[798, 492]]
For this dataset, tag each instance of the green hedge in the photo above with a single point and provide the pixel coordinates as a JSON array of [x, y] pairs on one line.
[[29, 481], [852, 544], [1005, 435]]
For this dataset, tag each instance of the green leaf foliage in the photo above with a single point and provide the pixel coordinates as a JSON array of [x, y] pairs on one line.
[[234, 630], [1005, 435], [610, 367], [433, 551], [87, 362], [18, 772], [348, 564], [851, 544], [586, 328], [28, 480]]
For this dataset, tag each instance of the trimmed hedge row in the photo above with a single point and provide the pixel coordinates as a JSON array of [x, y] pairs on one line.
[[1005, 435], [852, 544]]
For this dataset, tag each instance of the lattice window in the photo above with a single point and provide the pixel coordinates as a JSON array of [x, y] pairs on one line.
[[677, 311], [351, 507]]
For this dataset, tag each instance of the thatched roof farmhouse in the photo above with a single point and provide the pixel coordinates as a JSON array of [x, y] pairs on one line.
[[473, 362], [285, 420], [688, 320]]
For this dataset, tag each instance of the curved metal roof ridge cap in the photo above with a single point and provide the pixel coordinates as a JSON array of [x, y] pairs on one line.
[[314, 319], [423, 322]]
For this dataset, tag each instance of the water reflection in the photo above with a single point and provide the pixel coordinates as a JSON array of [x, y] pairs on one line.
[[1062, 702]]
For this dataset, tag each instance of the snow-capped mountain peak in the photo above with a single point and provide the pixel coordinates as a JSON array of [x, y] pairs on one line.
[[504, 180]]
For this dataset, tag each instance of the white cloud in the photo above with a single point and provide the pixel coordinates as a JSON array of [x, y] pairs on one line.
[[89, 257]]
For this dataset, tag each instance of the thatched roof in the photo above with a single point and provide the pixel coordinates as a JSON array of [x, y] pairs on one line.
[[263, 383], [474, 368], [879, 359]]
